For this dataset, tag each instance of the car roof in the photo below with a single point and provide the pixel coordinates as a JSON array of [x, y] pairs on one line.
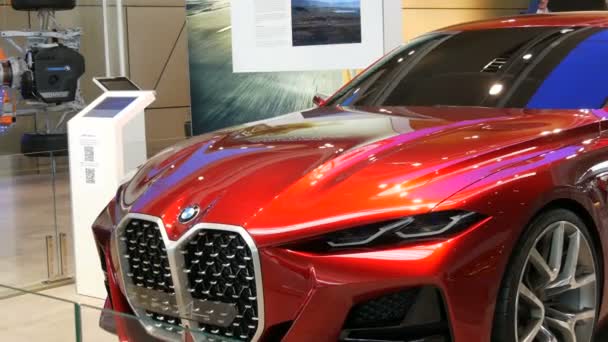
[[595, 19]]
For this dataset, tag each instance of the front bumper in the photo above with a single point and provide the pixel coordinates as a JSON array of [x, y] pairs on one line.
[[310, 297]]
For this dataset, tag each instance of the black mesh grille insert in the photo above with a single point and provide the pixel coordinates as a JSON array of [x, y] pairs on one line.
[[383, 311], [168, 323], [416, 314], [148, 270], [220, 268], [148, 264]]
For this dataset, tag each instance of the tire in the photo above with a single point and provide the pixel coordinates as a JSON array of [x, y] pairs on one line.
[[512, 299], [44, 145]]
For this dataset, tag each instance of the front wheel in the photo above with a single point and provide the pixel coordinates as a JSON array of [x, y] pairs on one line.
[[551, 288]]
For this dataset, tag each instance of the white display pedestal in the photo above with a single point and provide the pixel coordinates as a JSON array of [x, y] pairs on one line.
[[106, 141]]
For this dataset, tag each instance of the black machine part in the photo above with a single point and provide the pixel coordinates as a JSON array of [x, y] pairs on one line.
[[35, 5], [44, 145], [54, 75]]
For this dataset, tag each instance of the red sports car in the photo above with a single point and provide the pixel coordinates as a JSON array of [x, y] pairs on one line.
[[455, 191]]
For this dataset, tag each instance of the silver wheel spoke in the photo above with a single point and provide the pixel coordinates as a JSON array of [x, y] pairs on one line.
[[560, 262], [566, 332], [531, 332], [545, 335], [529, 297], [566, 323], [557, 249], [568, 280], [537, 310], [572, 284], [574, 249], [550, 269], [539, 263], [584, 280]]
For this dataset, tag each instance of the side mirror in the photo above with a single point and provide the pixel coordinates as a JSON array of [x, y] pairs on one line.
[[319, 99]]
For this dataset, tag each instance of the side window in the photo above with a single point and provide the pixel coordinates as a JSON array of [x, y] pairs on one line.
[[579, 75]]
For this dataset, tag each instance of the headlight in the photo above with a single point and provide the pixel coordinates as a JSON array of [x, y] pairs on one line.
[[420, 227]]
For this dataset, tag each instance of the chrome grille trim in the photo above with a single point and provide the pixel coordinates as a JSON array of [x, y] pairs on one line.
[[177, 264]]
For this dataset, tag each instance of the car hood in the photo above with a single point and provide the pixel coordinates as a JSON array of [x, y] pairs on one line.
[[308, 172]]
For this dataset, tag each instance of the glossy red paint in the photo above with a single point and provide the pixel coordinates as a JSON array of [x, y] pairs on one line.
[[383, 165], [503, 163], [596, 19], [332, 168]]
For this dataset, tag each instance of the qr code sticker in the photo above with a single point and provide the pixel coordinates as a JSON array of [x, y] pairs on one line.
[[89, 154], [90, 175]]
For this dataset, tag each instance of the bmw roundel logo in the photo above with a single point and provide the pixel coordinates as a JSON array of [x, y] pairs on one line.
[[189, 213]]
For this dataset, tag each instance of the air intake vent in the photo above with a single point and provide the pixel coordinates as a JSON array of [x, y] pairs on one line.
[[416, 314], [495, 65], [384, 311]]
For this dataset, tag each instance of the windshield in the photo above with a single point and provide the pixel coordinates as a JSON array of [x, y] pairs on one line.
[[531, 67]]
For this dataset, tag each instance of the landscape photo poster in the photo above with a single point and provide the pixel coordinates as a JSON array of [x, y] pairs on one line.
[[222, 98], [301, 35], [325, 22]]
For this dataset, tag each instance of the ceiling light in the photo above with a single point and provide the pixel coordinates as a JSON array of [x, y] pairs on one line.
[[496, 89]]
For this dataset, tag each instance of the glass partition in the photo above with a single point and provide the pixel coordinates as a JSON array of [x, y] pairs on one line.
[[59, 315], [36, 317], [36, 248], [35, 218], [36, 239]]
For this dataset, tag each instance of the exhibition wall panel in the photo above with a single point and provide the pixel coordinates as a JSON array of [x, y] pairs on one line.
[[90, 20], [150, 44], [156, 47], [157, 53], [210, 112], [466, 4], [165, 126], [158, 60], [421, 16]]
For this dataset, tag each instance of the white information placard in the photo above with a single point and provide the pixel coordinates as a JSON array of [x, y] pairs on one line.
[[304, 35]]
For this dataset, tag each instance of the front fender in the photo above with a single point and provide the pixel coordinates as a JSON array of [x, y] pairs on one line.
[[515, 195]]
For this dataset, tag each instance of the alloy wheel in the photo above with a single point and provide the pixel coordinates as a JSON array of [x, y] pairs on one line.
[[557, 294]]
